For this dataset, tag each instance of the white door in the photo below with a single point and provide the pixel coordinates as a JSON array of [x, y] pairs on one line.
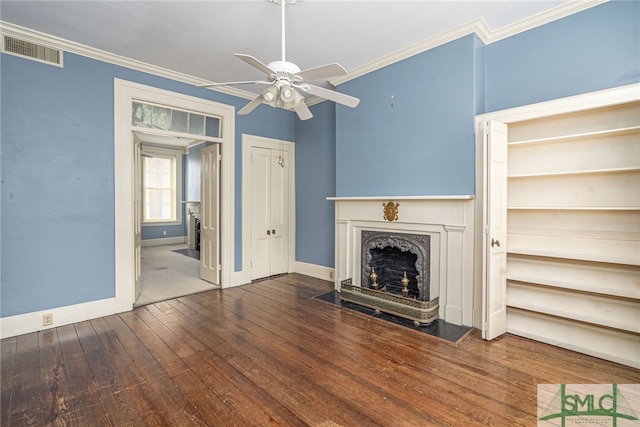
[[494, 277], [137, 215], [209, 215], [269, 213]]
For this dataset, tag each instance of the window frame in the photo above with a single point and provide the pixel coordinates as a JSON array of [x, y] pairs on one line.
[[176, 156]]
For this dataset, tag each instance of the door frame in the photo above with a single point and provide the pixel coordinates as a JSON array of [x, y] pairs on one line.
[[249, 141], [125, 93], [598, 99]]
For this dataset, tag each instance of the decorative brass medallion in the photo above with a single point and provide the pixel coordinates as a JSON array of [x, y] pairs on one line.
[[391, 211]]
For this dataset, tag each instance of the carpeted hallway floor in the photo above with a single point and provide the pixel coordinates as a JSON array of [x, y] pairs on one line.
[[167, 274]]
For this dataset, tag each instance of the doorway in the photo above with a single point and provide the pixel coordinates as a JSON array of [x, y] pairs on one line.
[[268, 218], [125, 94], [169, 267]]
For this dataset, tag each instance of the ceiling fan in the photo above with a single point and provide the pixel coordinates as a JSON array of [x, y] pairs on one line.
[[285, 81]]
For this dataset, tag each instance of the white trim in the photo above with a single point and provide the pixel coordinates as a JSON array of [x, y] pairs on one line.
[[477, 26], [314, 270], [365, 198], [164, 241], [17, 31], [31, 322], [125, 93], [249, 141], [586, 101]]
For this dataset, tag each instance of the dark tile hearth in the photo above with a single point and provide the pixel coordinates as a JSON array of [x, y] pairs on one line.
[[438, 328], [188, 252]]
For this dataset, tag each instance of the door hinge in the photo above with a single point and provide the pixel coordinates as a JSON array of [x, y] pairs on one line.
[[485, 128], [484, 326], [219, 267]]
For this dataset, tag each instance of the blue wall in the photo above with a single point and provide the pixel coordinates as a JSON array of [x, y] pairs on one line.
[[593, 50], [412, 133], [315, 181], [57, 171]]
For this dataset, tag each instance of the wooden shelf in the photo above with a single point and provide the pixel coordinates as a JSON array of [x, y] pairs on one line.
[[575, 208], [576, 317], [632, 294], [573, 137], [577, 172]]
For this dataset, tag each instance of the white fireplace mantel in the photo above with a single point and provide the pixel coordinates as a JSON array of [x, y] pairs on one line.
[[449, 220]]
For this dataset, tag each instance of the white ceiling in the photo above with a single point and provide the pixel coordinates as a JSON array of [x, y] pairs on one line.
[[198, 38]]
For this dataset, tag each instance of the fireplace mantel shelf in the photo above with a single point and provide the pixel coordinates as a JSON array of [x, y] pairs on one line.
[[374, 198]]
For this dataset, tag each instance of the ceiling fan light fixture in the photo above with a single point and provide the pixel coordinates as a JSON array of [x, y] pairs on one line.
[[270, 95]]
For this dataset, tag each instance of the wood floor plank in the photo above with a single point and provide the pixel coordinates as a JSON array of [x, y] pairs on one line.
[[424, 395], [251, 408], [7, 361], [26, 408], [54, 393], [83, 400], [269, 353], [293, 391], [168, 400], [117, 399]]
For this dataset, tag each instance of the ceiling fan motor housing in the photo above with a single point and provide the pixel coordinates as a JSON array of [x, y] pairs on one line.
[[284, 67]]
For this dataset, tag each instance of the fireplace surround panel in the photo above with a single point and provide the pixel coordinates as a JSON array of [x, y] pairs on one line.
[[448, 223]]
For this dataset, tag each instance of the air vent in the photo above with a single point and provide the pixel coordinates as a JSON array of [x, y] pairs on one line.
[[32, 50]]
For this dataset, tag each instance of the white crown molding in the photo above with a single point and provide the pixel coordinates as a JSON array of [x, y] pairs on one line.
[[477, 26], [7, 28], [561, 11]]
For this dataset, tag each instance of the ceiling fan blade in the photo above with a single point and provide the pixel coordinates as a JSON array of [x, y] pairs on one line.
[[252, 105], [331, 95], [322, 72], [303, 111], [254, 63], [250, 82]]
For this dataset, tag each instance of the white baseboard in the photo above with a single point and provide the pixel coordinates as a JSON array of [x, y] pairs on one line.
[[32, 322], [164, 241], [313, 270]]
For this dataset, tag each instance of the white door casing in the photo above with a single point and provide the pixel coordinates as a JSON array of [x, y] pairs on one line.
[[124, 94], [494, 277], [137, 214], [209, 215], [275, 182]]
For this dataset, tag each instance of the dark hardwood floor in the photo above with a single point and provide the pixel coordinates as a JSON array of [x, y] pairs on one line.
[[269, 354]]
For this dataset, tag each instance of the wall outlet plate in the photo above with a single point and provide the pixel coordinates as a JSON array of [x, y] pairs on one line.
[[47, 319]]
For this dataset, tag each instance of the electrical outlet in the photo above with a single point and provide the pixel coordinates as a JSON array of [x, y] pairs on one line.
[[47, 319], [164, 232], [331, 275]]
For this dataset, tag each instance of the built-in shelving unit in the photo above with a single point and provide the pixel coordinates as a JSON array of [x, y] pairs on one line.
[[573, 191]]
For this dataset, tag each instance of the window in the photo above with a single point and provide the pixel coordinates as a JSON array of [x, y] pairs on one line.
[[161, 185]]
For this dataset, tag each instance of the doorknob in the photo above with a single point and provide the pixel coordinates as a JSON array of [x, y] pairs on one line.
[[273, 231], [495, 243], [268, 232]]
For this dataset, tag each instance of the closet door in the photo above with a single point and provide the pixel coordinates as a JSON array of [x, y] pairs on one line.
[[269, 212]]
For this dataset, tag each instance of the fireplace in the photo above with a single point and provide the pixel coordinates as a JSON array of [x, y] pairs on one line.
[[395, 272], [394, 255], [444, 276]]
